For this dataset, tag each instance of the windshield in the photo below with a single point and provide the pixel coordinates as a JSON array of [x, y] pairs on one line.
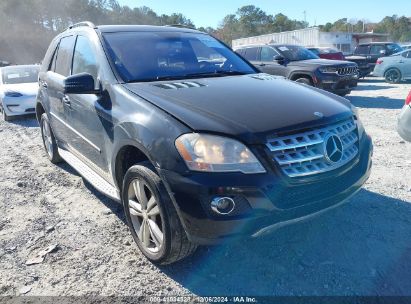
[[296, 53], [16, 74], [151, 56]]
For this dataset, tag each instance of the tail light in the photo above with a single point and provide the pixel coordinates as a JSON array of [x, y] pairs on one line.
[[379, 61], [408, 99]]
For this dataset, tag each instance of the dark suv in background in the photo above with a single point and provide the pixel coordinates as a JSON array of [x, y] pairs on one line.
[[366, 54], [301, 65], [197, 145]]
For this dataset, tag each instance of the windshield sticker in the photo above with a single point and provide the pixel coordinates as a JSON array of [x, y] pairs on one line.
[[283, 48]]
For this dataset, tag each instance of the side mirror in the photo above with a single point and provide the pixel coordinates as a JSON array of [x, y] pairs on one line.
[[82, 83], [383, 52], [279, 59]]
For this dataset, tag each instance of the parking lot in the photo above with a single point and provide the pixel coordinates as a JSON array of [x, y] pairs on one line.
[[361, 248]]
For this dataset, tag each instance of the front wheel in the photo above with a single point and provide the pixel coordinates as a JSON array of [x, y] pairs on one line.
[[393, 76], [304, 81], [49, 140], [152, 218], [4, 115]]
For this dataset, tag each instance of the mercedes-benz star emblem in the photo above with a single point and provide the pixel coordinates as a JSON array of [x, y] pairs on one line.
[[333, 148], [319, 114]]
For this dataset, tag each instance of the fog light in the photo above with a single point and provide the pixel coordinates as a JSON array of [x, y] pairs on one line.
[[222, 205]]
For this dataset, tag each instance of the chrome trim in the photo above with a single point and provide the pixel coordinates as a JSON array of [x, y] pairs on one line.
[[302, 154], [77, 132]]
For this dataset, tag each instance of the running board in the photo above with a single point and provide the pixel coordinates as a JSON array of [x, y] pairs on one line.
[[92, 177]]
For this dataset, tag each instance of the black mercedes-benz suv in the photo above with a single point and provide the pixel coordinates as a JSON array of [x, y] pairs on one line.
[[197, 145], [301, 65]]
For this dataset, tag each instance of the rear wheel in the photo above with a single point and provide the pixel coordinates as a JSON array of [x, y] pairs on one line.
[[304, 80], [393, 76], [152, 218], [49, 140]]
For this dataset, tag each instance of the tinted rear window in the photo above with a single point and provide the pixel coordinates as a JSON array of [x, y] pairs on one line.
[[16, 74], [361, 49]]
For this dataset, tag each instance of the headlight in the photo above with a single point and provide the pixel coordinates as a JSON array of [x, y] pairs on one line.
[[211, 153], [355, 111], [328, 70], [12, 94]]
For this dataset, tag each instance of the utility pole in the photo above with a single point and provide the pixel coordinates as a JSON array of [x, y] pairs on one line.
[[305, 18]]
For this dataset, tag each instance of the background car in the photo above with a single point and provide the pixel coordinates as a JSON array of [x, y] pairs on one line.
[[374, 50], [327, 53], [18, 90], [301, 65], [394, 68], [404, 120], [406, 46]]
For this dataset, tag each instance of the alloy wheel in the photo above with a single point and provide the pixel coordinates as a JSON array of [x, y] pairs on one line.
[[145, 215], [393, 76], [48, 142]]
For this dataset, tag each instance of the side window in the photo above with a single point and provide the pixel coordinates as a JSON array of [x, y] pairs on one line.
[[406, 54], [52, 65], [361, 49], [267, 54], [251, 53], [376, 49], [84, 59], [64, 53], [241, 52]]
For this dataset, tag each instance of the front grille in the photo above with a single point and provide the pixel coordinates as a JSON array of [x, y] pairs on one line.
[[303, 154], [347, 71]]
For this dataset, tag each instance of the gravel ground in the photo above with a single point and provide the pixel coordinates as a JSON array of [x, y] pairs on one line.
[[361, 248]]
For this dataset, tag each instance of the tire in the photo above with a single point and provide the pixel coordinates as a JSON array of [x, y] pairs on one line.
[[49, 141], [304, 80], [5, 116], [173, 245], [393, 75]]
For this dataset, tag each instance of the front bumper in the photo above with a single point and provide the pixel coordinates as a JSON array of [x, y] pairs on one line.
[[404, 123], [16, 106], [337, 84], [262, 200]]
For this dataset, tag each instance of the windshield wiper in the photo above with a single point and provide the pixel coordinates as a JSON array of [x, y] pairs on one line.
[[215, 74]]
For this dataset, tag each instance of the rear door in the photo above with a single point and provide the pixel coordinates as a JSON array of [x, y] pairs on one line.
[[59, 69], [363, 50], [89, 112], [252, 55], [404, 64], [376, 51]]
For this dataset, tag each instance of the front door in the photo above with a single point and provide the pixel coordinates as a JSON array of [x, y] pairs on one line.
[[90, 113], [268, 63]]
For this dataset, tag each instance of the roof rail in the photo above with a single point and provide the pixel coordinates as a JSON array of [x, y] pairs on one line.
[[83, 23], [181, 26]]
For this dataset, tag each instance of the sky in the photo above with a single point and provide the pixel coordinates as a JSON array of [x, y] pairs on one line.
[[211, 12]]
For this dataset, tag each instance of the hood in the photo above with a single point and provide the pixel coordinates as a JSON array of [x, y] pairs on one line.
[[28, 89], [246, 107], [320, 62]]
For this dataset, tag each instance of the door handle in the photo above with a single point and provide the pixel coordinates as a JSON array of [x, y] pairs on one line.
[[66, 100], [262, 64], [44, 84]]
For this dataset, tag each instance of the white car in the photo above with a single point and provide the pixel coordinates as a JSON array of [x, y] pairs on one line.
[[18, 90]]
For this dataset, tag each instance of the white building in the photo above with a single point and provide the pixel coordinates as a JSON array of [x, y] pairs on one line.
[[314, 37]]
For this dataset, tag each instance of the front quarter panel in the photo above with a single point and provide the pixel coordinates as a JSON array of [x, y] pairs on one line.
[[140, 124]]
